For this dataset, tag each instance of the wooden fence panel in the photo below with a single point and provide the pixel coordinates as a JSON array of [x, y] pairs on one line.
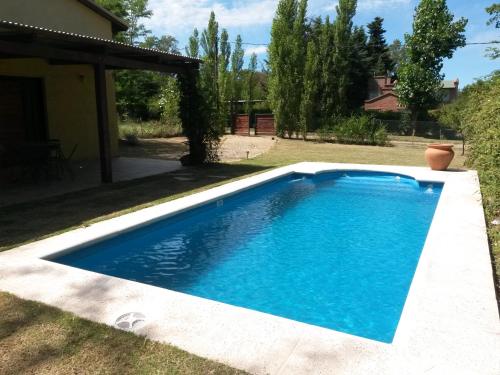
[[241, 124], [264, 125]]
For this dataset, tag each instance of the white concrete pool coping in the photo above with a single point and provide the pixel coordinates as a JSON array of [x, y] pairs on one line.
[[449, 324]]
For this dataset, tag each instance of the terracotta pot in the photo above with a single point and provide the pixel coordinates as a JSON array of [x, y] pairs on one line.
[[439, 156]]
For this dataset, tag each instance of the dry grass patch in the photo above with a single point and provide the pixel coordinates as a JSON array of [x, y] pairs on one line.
[[38, 339]]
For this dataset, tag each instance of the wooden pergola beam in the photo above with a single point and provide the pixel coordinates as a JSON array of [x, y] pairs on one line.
[[71, 56]]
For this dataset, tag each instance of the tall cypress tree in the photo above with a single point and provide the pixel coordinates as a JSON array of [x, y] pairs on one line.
[[309, 94], [193, 48], [359, 69], [224, 77], [328, 78], [380, 57], [237, 70], [286, 62], [346, 9], [209, 70], [251, 82]]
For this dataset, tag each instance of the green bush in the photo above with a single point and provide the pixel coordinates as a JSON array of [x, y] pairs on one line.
[[361, 130], [477, 115], [481, 124]]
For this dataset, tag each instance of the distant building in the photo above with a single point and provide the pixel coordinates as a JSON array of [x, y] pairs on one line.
[[381, 95], [450, 90]]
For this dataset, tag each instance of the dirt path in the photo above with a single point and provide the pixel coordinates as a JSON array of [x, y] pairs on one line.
[[232, 148], [235, 147]]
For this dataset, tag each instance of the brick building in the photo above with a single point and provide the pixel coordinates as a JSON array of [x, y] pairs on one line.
[[381, 95]]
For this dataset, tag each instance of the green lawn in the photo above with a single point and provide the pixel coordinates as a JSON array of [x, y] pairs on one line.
[[35, 338]]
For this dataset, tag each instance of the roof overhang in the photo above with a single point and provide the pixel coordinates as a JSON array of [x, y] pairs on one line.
[[380, 97], [59, 47], [117, 22]]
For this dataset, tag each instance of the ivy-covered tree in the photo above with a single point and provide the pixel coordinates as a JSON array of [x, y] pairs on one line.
[[198, 122], [435, 37], [378, 52]]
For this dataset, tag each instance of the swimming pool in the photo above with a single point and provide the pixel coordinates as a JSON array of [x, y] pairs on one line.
[[336, 249]]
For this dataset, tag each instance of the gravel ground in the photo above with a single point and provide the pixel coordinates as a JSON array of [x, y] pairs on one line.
[[236, 147]]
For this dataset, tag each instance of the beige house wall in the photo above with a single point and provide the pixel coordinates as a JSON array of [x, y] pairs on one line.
[[66, 15], [70, 103]]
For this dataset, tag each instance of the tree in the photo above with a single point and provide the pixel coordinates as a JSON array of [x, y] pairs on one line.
[[168, 103], [346, 9], [117, 7], [193, 49], [209, 71], [251, 82], [165, 43], [380, 58], [328, 79], [359, 70], [198, 123], [224, 76], [136, 11], [310, 93], [237, 70], [435, 37], [132, 11], [286, 62], [494, 11], [396, 50]]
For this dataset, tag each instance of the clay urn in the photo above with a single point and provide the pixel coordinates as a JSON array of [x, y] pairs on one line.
[[439, 156]]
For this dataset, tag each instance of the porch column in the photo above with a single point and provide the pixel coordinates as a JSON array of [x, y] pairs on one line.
[[101, 97]]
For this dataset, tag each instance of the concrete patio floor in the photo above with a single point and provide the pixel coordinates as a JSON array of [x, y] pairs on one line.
[[86, 175]]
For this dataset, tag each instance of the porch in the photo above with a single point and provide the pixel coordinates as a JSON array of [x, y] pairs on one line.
[[57, 86]]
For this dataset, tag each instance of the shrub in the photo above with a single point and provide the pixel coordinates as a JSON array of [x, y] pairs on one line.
[[150, 129], [477, 115], [481, 125], [361, 130]]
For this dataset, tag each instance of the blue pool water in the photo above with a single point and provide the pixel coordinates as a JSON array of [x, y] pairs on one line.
[[337, 250]]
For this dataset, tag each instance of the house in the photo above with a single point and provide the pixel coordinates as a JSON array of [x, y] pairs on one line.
[[381, 95], [56, 62], [450, 90]]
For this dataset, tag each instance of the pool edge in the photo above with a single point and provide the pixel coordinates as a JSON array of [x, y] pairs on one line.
[[279, 344]]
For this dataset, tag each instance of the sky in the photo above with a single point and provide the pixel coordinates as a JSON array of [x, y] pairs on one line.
[[252, 19]]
